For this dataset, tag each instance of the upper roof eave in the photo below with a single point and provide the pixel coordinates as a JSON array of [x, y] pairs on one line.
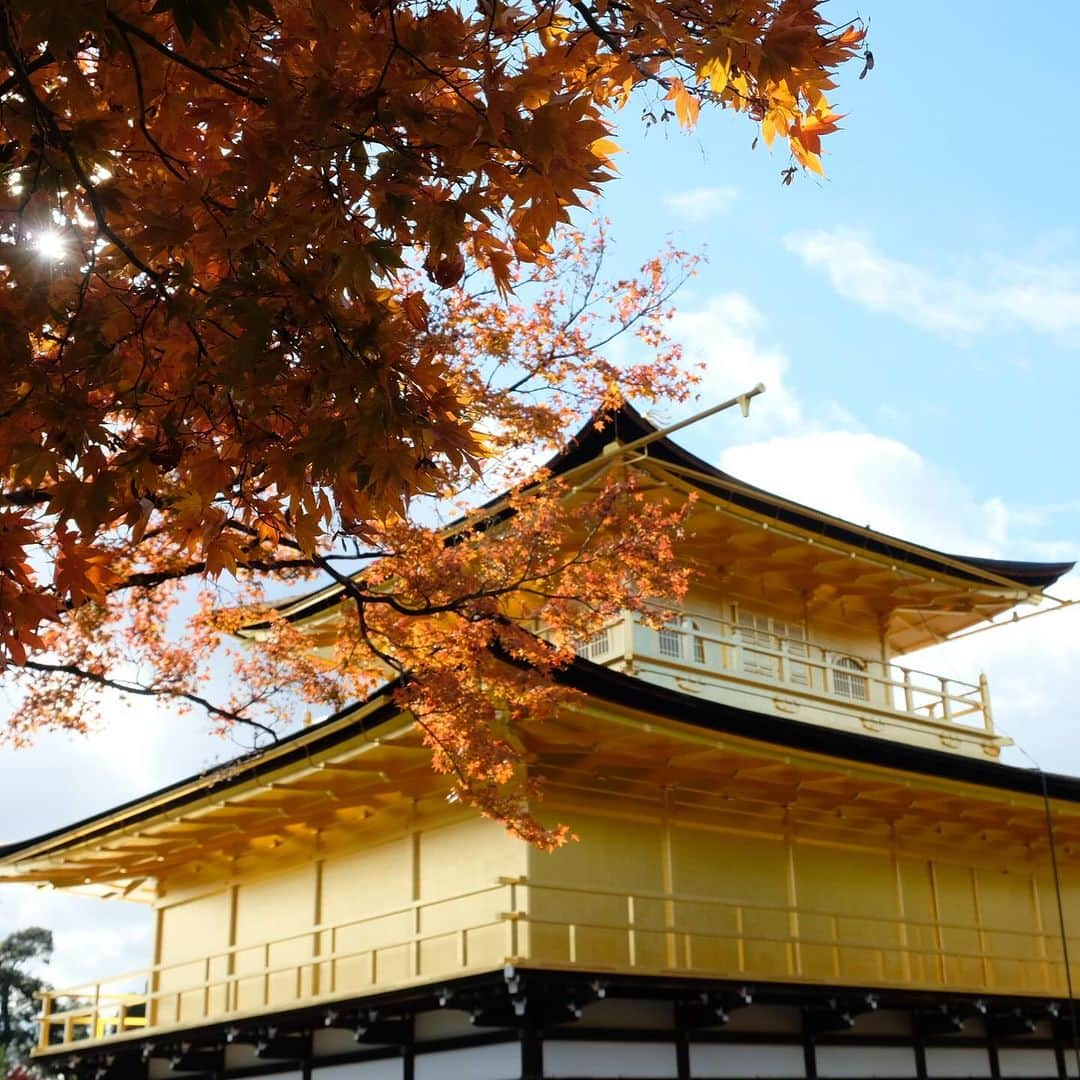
[[627, 425]]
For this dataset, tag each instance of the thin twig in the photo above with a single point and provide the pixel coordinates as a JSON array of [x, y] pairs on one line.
[[148, 691], [166, 158], [179, 58], [47, 119]]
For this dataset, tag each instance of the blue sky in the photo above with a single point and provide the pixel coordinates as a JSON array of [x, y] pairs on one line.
[[916, 316], [957, 165]]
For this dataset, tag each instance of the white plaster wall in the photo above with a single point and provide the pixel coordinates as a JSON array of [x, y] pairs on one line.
[[718, 1060], [865, 1061], [1027, 1061], [604, 1059], [499, 1062], [957, 1061], [387, 1069]]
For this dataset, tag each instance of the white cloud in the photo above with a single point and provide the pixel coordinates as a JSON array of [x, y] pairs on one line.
[[869, 479], [877, 481], [993, 295], [60, 779], [92, 938], [724, 337], [1034, 679], [701, 203]]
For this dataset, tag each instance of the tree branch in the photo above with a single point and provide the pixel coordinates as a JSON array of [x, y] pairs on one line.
[[613, 43], [44, 60], [191, 65], [149, 578], [149, 691], [47, 118], [166, 158]]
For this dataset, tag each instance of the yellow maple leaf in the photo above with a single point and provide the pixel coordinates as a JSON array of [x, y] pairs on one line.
[[686, 103]]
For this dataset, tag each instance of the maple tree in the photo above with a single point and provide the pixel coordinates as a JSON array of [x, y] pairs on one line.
[[278, 275]]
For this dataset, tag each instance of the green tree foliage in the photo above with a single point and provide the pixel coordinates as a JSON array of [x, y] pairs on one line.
[[19, 953]]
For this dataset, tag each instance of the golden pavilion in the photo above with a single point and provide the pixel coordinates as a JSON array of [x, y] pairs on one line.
[[800, 856]]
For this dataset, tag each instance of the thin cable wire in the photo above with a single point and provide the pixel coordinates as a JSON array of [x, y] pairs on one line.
[[1075, 1025]]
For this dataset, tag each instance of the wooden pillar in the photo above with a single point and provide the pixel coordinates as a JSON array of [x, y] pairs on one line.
[[906, 966], [316, 920], [1059, 1059], [682, 1056], [532, 1054], [919, 1046], [416, 926], [682, 1045], [794, 948], [667, 872], [992, 1053], [408, 1052], [939, 936], [809, 1050]]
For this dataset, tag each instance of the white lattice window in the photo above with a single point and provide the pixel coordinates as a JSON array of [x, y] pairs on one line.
[[670, 642], [596, 645], [849, 677], [681, 642], [796, 649], [773, 648], [755, 633]]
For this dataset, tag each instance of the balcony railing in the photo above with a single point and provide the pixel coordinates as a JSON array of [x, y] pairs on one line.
[[526, 923], [249, 978], [713, 653]]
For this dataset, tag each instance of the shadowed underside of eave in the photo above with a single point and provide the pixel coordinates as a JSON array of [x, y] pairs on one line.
[[627, 742], [931, 594]]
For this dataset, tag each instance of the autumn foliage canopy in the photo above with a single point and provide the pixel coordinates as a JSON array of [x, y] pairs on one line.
[[285, 278]]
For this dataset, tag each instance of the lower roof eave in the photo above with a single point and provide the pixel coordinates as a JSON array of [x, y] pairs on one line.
[[602, 684], [489, 994], [633, 693]]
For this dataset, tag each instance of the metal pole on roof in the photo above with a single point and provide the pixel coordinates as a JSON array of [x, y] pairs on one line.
[[742, 400]]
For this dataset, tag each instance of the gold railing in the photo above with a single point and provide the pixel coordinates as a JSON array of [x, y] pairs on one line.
[[709, 649], [698, 935], [228, 982], [522, 922]]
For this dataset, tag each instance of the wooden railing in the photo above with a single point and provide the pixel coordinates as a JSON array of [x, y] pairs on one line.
[[699, 935], [524, 922], [227, 983], [709, 649]]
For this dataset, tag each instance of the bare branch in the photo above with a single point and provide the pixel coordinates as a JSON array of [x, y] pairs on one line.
[[191, 65], [140, 690]]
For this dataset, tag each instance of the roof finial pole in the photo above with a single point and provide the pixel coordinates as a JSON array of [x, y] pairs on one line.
[[742, 400]]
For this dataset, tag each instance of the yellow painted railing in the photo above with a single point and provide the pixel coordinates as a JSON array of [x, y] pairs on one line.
[[528, 923], [247, 978], [697, 935]]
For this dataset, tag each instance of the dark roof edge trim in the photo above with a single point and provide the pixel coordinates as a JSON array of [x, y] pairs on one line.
[[633, 693], [286, 751], [627, 424], [615, 688]]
